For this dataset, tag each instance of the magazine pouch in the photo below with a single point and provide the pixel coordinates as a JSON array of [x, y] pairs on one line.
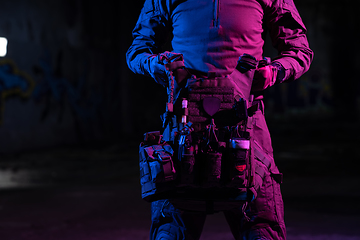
[[157, 171]]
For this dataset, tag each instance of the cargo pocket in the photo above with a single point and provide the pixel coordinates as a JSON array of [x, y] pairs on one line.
[[279, 205], [261, 132]]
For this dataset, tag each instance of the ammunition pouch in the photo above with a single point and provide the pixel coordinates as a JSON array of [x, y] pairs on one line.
[[157, 171], [209, 182], [201, 166]]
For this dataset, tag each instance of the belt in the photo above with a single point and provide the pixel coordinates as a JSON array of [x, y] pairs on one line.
[[257, 105]]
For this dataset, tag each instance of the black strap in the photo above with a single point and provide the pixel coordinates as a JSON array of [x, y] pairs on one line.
[[266, 159], [262, 156]]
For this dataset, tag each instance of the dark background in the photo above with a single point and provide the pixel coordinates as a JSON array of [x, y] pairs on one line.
[[72, 84], [72, 116]]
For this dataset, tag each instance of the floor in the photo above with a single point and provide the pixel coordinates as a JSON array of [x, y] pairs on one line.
[[93, 193]]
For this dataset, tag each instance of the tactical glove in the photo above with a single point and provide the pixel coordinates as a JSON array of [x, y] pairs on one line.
[[161, 65], [267, 75]]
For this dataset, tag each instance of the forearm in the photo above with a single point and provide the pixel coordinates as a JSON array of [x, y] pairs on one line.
[[288, 35], [295, 63], [149, 34], [138, 61]]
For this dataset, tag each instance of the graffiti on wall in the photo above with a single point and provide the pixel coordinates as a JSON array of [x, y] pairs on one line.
[[13, 83], [53, 89], [54, 93]]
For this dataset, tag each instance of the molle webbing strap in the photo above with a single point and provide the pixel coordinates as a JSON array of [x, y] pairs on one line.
[[167, 163], [168, 167], [260, 171], [266, 160], [159, 152], [262, 156], [195, 97]]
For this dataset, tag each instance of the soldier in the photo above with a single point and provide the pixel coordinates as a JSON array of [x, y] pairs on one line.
[[209, 38]]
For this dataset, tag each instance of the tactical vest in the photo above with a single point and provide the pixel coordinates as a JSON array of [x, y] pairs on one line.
[[205, 158]]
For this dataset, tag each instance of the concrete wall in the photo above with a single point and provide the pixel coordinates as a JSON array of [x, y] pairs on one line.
[[60, 81]]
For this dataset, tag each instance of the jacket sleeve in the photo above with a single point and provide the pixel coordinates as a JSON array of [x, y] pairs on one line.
[[149, 34], [288, 35]]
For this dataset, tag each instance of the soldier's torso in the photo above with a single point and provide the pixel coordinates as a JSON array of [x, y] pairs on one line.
[[212, 34]]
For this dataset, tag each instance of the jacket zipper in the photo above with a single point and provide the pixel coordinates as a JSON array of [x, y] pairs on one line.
[[216, 13]]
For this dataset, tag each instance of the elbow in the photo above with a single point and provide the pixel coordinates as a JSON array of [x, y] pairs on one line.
[[130, 60], [307, 56]]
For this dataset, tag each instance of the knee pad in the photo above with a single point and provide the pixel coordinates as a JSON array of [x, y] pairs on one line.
[[265, 233]]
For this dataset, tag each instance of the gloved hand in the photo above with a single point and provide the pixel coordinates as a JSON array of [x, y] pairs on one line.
[[266, 76], [160, 66], [181, 75]]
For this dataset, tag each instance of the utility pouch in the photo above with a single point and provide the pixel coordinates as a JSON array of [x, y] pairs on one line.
[[212, 169], [157, 171], [187, 170], [239, 151]]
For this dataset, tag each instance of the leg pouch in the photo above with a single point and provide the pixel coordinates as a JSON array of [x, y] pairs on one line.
[[157, 171]]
